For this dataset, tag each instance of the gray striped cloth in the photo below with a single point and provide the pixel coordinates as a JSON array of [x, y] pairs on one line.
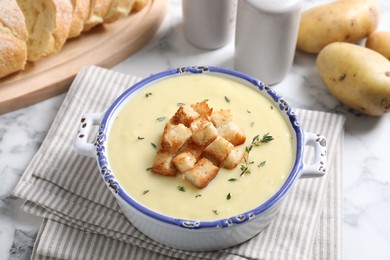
[[81, 219]]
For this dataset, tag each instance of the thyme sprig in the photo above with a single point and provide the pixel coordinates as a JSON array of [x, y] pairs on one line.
[[256, 141]]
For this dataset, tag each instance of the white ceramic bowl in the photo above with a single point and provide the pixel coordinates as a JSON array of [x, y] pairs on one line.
[[192, 234]]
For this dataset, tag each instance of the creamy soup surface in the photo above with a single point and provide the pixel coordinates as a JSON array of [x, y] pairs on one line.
[[140, 124]]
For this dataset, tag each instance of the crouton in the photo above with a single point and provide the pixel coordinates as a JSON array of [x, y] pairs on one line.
[[194, 149], [204, 133], [174, 137], [185, 115], [221, 117], [232, 132], [202, 108], [202, 173], [162, 163], [219, 149], [198, 122], [184, 161], [233, 159]]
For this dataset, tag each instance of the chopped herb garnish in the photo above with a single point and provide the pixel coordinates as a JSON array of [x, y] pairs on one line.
[[148, 94], [154, 145], [181, 188], [198, 195], [272, 108], [244, 170], [148, 169], [266, 138], [227, 99], [261, 164], [180, 104], [160, 119], [215, 211], [141, 138], [145, 191], [232, 179], [256, 141], [229, 196]]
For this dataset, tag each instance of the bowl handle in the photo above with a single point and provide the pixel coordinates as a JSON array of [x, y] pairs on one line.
[[318, 167], [81, 144]]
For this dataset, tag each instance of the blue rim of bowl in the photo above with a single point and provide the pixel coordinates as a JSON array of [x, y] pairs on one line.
[[115, 187]]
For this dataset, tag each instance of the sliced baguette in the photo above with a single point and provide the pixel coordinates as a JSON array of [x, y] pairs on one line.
[[13, 36], [97, 11], [48, 23], [80, 13], [118, 9]]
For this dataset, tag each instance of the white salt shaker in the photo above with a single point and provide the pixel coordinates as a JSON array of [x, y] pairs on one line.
[[266, 36], [209, 24]]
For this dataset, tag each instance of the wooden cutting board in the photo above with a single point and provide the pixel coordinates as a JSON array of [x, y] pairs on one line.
[[105, 45]]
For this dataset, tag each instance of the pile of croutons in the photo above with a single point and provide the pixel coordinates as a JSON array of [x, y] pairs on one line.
[[197, 141]]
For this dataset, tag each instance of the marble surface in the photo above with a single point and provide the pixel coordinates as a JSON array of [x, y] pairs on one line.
[[366, 175]]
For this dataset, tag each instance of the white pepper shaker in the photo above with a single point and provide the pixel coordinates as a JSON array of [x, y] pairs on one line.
[[209, 24], [266, 36]]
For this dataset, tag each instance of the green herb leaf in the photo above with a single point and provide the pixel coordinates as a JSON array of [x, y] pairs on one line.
[[232, 179], [160, 119], [261, 164], [141, 138], [148, 169], [215, 211], [181, 188], [227, 99], [148, 94], [244, 170], [145, 191], [154, 146], [198, 195], [266, 138], [229, 196]]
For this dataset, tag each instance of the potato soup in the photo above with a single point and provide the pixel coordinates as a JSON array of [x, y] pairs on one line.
[[136, 132]]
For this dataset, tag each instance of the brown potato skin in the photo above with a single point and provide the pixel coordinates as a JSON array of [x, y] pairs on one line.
[[379, 41], [357, 76], [339, 21]]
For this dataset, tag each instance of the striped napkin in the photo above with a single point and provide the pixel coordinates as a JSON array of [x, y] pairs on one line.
[[81, 219]]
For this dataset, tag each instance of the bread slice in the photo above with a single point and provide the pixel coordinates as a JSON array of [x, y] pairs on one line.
[[97, 11], [118, 9], [13, 54], [80, 13], [48, 23], [13, 37], [139, 5]]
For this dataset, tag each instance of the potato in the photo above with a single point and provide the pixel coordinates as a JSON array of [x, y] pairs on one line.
[[359, 77], [339, 21], [379, 42]]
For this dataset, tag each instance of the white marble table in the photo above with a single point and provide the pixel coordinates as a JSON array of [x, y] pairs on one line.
[[366, 175]]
